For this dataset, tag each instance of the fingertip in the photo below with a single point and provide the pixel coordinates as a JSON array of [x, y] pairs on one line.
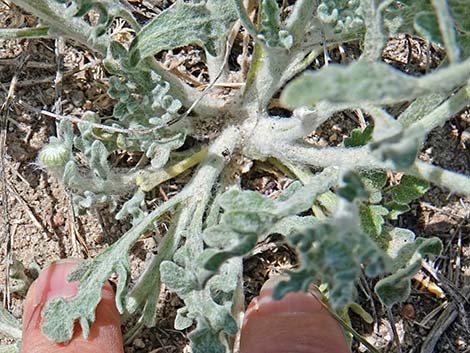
[[297, 323], [105, 333]]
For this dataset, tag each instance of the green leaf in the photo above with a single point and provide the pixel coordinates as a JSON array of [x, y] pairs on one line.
[[409, 189], [372, 219], [407, 254], [353, 187], [205, 24], [359, 137], [395, 209], [374, 182], [427, 25]]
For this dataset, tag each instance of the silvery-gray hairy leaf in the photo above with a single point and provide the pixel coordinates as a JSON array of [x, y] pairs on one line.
[[404, 249], [292, 224], [133, 208], [344, 16], [205, 340], [407, 254], [400, 149], [352, 187], [178, 279], [214, 259], [270, 26], [359, 83], [107, 10], [9, 325], [249, 201], [205, 24], [219, 236], [59, 315], [249, 216], [248, 222], [99, 159], [325, 254], [10, 348]]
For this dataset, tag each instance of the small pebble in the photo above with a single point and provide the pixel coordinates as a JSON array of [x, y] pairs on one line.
[[408, 311], [138, 343]]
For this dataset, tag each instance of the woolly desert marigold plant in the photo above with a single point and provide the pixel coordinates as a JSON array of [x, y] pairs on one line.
[[215, 222]]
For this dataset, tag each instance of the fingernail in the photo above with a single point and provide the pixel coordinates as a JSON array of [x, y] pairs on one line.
[[52, 281]]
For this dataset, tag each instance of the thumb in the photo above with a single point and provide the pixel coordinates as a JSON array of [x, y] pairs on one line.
[[105, 332], [296, 323]]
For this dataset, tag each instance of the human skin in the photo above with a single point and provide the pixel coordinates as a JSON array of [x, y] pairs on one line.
[[296, 324], [105, 332]]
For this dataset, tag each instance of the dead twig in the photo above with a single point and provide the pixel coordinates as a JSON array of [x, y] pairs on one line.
[[4, 118], [75, 235], [7, 237], [34, 219], [447, 317], [49, 79], [396, 337]]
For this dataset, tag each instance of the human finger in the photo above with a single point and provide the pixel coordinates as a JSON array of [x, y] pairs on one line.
[[297, 323], [105, 333]]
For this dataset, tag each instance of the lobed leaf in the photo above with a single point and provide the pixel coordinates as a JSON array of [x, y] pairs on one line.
[[407, 254], [410, 188], [326, 256], [359, 137], [344, 16], [270, 26], [372, 219]]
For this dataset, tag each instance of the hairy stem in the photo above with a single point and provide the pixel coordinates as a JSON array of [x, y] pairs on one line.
[[446, 25], [441, 114], [149, 180], [196, 195], [300, 18], [452, 181], [144, 295], [355, 158], [16, 33], [52, 13]]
